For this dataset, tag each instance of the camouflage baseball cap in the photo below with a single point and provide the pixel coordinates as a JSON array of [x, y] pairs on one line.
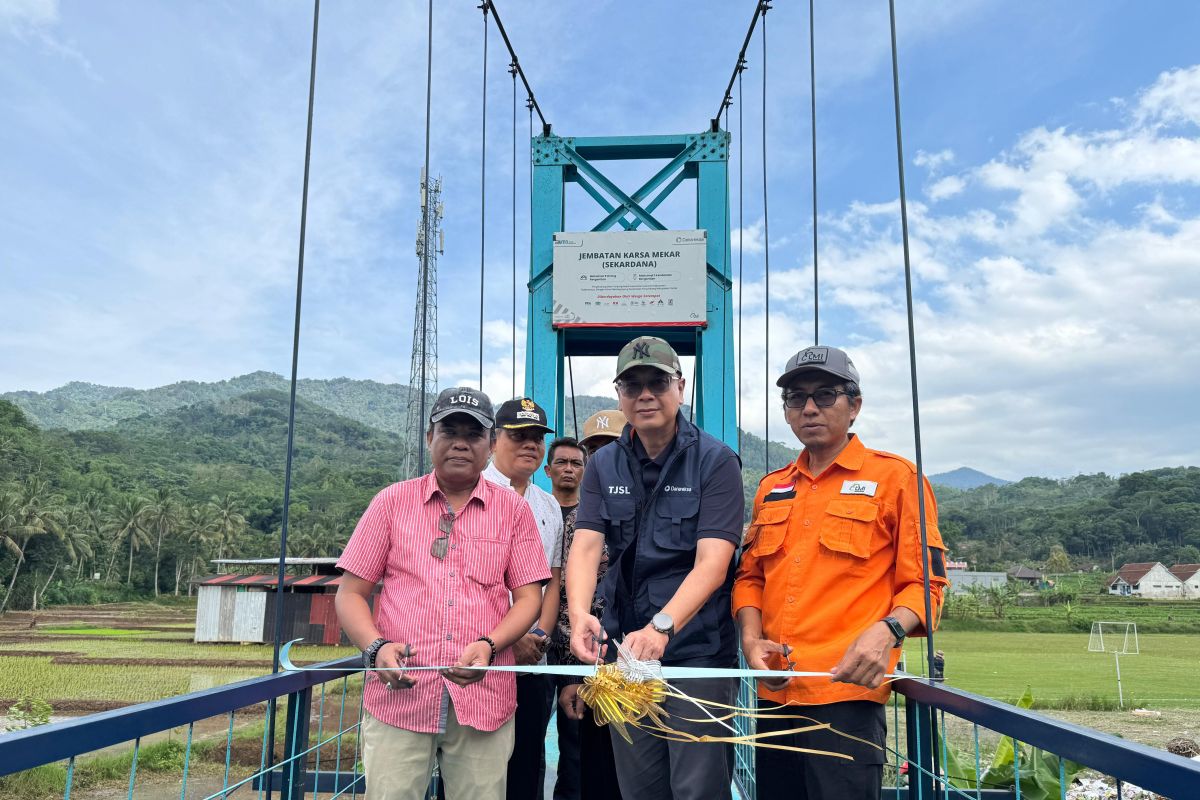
[[829, 360], [648, 351]]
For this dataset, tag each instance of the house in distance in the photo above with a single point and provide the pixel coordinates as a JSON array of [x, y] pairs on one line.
[[1152, 579]]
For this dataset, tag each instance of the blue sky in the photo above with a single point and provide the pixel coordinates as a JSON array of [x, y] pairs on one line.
[[151, 158]]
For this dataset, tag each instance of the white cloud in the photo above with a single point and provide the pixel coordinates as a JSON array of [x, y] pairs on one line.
[[1174, 97], [749, 237], [946, 187], [1053, 336], [20, 15], [934, 161]]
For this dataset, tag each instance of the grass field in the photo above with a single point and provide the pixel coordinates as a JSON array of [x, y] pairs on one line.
[[81, 659], [1058, 667]]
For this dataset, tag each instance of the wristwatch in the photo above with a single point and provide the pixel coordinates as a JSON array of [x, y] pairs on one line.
[[368, 655], [663, 623], [896, 628]]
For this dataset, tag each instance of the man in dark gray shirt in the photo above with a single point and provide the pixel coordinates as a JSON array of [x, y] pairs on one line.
[[666, 498]]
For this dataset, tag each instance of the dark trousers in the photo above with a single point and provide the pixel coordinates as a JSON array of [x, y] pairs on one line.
[[597, 768], [788, 775], [566, 784], [657, 769], [527, 765]]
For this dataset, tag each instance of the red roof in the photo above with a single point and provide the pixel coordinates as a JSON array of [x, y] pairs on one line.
[[1133, 573], [266, 581], [1184, 571]]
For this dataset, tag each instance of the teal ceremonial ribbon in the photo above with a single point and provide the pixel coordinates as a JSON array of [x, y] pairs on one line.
[[580, 670]]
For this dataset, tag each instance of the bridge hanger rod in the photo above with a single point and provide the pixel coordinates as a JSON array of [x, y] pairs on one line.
[[760, 10], [489, 5]]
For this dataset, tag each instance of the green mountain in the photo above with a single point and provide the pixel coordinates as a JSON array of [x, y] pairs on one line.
[[87, 406], [966, 478], [383, 406]]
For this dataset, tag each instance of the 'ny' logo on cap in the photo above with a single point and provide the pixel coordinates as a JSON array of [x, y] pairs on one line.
[[602, 423], [641, 350]]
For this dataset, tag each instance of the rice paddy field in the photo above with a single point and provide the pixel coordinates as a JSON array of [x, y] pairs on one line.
[[82, 660], [94, 658]]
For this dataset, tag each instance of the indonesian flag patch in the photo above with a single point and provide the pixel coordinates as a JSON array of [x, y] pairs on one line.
[[782, 491]]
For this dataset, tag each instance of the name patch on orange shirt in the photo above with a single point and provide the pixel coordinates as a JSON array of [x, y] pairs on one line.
[[865, 488]]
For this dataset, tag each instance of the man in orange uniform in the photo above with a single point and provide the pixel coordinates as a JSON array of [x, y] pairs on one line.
[[831, 579]]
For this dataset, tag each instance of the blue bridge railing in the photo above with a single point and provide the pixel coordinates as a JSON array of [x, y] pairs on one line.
[[333, 702]]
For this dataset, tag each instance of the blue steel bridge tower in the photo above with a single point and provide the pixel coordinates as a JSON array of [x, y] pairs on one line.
[[698, 158]]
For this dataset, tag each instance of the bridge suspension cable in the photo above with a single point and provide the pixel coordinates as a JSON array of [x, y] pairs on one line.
[[425, 227], [533, 103], [766, 256], [488, 7], [512, 68], [483, 190], [291, 427], [912, 344], [760, 10], [812, 95]]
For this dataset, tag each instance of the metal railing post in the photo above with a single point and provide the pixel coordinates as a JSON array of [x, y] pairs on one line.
[[295, 742], [918, 723]]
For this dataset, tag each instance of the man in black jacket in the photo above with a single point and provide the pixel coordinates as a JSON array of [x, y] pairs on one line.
[[667, 500]]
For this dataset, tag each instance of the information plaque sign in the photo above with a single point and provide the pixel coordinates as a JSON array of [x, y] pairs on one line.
[[630, 278]]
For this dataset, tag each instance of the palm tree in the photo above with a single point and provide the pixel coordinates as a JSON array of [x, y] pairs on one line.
[[89, 514], [12, 534], [230, 522], [76, 537], [33, 511], [199, 526], [162, 516], [127, 520]]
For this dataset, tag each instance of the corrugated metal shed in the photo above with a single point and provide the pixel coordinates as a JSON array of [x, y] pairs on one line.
[[241, 608]]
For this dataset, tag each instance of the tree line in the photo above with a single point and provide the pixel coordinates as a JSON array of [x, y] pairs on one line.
[[149, 502], [1080, 522]]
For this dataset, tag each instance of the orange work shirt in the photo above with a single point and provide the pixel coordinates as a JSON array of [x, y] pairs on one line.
[[828, 556]]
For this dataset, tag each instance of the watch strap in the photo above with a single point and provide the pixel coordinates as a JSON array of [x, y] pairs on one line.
[[372, 652]]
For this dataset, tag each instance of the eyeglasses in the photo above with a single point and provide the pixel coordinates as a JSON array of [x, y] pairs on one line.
[[442, 543], [824, 398], [632, 389]]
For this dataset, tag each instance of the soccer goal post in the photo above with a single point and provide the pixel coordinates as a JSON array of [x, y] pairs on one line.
[[1114, 637], [1118, 638]]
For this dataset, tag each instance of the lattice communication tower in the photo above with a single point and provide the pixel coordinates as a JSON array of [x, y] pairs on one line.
[[422, 375]]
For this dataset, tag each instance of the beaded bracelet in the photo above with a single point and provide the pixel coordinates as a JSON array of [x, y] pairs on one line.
[[492, 645]]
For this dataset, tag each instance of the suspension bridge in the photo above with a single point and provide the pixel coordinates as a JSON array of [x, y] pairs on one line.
[[298, 760]]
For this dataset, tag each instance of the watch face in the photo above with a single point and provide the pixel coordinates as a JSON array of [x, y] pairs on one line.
[[662, 622]]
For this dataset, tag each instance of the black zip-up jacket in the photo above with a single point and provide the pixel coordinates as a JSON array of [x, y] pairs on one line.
[[659, 532]]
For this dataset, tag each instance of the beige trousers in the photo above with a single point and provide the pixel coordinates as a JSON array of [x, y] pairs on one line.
[[399, 763]]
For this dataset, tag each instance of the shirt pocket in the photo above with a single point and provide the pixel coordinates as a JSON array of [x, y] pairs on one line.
[[768, 529], [847, 529], [676, 523], [617, 513], [485, 560]]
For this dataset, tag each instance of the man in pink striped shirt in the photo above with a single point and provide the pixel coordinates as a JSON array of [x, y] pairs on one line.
[[449, 548]]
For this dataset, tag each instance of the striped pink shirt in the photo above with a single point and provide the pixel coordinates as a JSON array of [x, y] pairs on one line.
[[440, 607]]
